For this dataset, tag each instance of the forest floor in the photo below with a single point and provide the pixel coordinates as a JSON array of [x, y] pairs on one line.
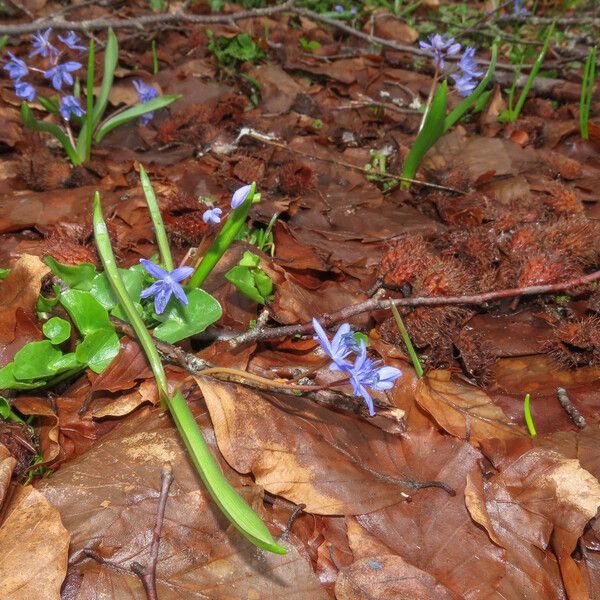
[[445, 493]]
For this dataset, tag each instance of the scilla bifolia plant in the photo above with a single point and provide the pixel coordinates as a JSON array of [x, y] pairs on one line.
[[464, 74], [229, 501], [77, 108]]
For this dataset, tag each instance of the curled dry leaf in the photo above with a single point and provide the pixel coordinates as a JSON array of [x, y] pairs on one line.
[[462, 410], [35, 545], [333, 463], [127, 403], [387, 576], [539, 498], [108, 499], [20, 290], [7, 466]]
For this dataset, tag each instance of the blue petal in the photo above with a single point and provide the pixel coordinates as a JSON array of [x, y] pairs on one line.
[[153, 269], [162, 299], [239, 196], [153, 289], [181, 273], [179, 293], [321, 337]]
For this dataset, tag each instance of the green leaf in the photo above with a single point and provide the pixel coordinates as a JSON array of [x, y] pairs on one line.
[[98, 349], [6, 412], [57, 330], [45, 305], [36, 360], [77, 277], [32, 123], [159, 227], [181, 321], [133, 278], [84, 142], [243, 279], [133, 113], [111, 56], [433, 129], [249, 260], [66, 362], [264, 284], [85, 311], [4, 273], [8, 381], [49, 104], [224, 239]]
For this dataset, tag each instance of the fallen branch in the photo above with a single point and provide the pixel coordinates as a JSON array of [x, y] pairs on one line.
[[575, 416], [148, 573], [376, 303]]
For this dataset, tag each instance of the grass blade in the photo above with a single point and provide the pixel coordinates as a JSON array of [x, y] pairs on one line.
[[587, 91], [528, 417], [32, 123], [407, 341], [229, 501], [133, 113], [111, 56], [84, 142], [159, 227], [224, 239], [433, 129]]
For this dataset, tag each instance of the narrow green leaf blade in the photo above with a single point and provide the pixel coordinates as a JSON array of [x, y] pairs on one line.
[[133, 113], [111, 56]]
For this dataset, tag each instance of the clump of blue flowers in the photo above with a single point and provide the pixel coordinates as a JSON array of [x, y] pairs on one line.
[[364, 373], [465, 74]]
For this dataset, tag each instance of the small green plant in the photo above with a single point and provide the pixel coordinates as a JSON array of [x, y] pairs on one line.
[[250, 279], [528, 417], [587, 91], [377, 171], [435, 121], [89, 118], [230, 53], [513, 111], [309, 45], [407, 341]]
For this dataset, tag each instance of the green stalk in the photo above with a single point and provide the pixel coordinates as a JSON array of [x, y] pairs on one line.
[[234, 507], [528, 417], [407, 341], [154, 58], [225, 238], [90, 102], [159, 227]]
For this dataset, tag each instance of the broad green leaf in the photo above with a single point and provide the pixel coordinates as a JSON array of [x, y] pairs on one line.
[[264, 284], [243, 279], [133, 113], [6, 412], [4, 273], [78, 277], [32, 123], [249, 260], [57, 330], [181, 321], [8, 381], [133, 278], [98, 349], [433, 129], [85, 311], [36, 360], [45, 305], [66, 362], [235, 221]]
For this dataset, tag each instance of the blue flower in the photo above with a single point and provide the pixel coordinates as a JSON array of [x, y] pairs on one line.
[[339, 347], [212, 216], [365, 373], [518, 9], [69, 105], [41, 44], [25, 90], [441, 48], [166, 286], [339, 8], [239, 196], [145, 94], [62, 73], [464, 84], [467, 63], [16, 68], [71, 40]]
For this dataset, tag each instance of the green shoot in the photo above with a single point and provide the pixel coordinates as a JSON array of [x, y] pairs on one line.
[[241, 516], [587, 90], [407, 341], [512, 113], [528, 417], [159, 227], [154, 58], [224, 239]]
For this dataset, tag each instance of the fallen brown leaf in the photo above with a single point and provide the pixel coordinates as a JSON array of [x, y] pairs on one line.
[[463, 410], [35, 546]]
